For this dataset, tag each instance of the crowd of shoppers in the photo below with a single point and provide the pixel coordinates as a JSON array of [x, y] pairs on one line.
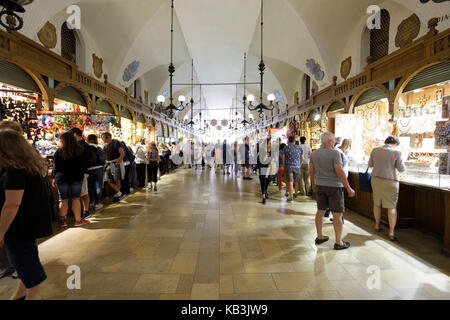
[[81, 167]]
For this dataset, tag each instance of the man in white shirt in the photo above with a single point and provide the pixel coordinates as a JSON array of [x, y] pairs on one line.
[[141, 162], [305, 185]]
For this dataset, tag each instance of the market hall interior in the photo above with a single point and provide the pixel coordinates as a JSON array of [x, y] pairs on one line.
[[229, 70], [212, 239]]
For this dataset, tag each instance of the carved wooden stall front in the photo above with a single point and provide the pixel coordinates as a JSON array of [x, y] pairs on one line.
[[43, 64]]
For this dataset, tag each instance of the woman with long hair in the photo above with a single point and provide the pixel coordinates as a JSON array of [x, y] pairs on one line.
[[25, 210], [68, 173], [265, 167], [345, 148]]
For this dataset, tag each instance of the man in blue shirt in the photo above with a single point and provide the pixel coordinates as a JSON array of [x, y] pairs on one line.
[[292, 161]]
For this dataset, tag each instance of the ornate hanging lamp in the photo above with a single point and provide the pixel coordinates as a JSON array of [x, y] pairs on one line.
[[171, 108], [262, 67]]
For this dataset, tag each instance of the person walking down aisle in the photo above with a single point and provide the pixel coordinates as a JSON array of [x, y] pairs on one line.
[[6, 267], [328, 181], [115, 169], [25, 211], [225, 158], [292, 162], [246, 166], [305, 184], [126, 187], [281, 171], [141, 163], [68, 174], [96, 167], [153, 159], [166, 158], [386, 161], [85, 202], [264, 165]]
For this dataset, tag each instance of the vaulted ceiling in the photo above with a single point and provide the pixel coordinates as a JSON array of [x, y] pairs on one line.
[[216, 34]]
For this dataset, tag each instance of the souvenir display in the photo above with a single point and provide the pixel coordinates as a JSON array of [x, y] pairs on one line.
[[442, 135], [46, 129]]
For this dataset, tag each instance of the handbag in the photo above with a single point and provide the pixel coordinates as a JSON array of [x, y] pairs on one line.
[[365, 184]]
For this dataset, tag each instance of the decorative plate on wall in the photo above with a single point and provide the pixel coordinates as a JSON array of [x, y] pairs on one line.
[[407, 31], [47, 35], [224, 123]]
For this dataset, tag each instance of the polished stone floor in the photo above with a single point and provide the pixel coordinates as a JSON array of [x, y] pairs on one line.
[[206, 236]]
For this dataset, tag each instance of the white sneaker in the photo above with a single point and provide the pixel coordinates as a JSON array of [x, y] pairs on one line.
[[98, 206], [131, 189]]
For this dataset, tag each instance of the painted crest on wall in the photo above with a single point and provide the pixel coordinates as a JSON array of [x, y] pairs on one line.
[[47, 35], [315, 69], [97, 65], [346, 67], [131, 71], [407, 31]]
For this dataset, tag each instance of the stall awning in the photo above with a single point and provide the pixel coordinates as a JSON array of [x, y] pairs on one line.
[[313, 114], [71, 95], [435, 74], [105, 107], [126, 114], [369, 96], [336, 106], [141, 119], [14, 76]]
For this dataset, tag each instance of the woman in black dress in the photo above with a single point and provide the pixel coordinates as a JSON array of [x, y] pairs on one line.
[[25, 210]]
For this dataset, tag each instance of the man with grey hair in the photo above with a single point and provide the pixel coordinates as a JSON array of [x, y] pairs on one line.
[[328, 181]]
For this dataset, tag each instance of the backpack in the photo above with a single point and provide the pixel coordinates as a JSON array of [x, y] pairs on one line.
[[91, 156], [95, 157], [128, 154]]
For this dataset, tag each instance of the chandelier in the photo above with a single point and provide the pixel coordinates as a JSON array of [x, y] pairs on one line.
[[12, 21], [261, 67], [171, 108]]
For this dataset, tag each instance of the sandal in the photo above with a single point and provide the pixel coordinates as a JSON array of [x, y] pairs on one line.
[[320, 241], [393, 238], [343, 247], [378, 230]]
